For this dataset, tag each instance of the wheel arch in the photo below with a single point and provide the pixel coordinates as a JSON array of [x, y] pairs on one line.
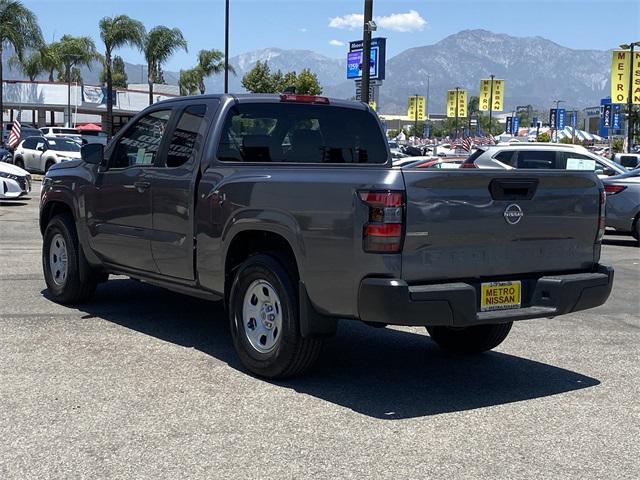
[[51, 209]]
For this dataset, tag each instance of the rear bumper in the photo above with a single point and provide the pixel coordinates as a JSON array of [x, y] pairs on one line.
[[391, 301]]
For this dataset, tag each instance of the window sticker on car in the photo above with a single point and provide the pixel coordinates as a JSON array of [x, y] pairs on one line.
[[140, 156], [580, 164]]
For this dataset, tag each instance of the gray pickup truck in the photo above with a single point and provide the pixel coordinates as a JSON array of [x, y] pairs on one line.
[[288, 209]]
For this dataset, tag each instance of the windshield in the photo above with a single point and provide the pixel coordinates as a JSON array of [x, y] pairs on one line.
[[611, 164], [63, 145]]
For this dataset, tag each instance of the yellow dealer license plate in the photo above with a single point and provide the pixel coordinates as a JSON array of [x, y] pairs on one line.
[[500, 296]]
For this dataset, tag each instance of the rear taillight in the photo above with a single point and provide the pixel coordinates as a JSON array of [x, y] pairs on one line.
[[383, 233], [469, 165], [613, 189], [602, 219]]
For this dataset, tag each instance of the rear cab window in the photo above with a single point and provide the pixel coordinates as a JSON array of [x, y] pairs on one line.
[[301, 133]]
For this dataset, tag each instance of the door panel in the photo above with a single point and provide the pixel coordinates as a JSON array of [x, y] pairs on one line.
[[121, 227], [173, 189]]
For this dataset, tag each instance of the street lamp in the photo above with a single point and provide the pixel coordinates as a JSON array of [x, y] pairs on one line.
[[630, 47]]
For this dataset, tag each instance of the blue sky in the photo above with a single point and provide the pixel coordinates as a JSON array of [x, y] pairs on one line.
[[323, 26]]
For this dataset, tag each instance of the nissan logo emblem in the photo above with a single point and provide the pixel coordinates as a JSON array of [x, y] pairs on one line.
[[513, 214]]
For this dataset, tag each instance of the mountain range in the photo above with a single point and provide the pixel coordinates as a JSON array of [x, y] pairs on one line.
[[536, 71]]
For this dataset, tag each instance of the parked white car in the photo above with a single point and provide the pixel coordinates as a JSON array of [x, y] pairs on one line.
[[37, 154], [61, 132], [14, 182]]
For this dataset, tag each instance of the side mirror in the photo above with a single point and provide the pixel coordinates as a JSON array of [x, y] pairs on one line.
[[40, 148], [92, 153], [609, 172]]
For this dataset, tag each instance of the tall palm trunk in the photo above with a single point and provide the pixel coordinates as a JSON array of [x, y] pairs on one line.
[[109, 122], [150, 70]]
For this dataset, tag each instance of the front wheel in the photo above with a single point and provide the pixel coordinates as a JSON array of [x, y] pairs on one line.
[[18, 162], [61, 259], [264, 320], [476, 339]]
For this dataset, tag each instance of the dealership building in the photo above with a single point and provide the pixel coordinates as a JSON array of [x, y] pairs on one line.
[[45, 103]]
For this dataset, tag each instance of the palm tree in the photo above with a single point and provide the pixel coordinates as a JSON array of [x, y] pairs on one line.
[[31, 66], [18, 28], [117, 32], [160, 43], [72, 53], [210, 62], [50, 58], [189, 81]]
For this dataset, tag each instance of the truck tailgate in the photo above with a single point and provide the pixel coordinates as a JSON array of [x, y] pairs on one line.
[[486, 223]]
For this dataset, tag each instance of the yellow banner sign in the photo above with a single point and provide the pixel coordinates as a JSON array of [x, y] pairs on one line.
[[491, 95], [620, 76], [457, 103], [411, 110]]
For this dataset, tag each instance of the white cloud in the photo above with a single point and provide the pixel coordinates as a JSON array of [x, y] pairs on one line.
[[350, 22], [402, 22], [303, 30], [410, 21], [336, 43]]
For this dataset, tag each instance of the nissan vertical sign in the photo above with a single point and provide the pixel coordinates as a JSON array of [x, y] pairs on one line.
[[553, 118]]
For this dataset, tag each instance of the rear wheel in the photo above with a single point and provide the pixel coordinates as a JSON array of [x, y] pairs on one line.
[[61, 259], [636, 230], [264, 320], [476, 339], [48, 165]]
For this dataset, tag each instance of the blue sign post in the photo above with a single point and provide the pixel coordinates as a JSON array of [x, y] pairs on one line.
[[515, 125], [616, 117], [573, 119], [561, 118]]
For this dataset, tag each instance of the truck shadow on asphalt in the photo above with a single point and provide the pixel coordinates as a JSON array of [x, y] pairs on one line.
[[382, 373]]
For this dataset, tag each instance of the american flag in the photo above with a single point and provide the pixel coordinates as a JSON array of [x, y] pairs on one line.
[[14, 136], [467, 144]]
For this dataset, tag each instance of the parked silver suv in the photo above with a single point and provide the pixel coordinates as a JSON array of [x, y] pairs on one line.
[[542, 156]]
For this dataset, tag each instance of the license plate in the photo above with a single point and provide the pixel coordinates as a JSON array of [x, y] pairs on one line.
[[500, 296]]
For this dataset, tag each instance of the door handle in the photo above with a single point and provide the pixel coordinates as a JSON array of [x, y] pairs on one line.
[[141, 186]]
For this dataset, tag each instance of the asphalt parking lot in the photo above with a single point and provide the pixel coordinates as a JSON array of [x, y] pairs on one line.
[[144, 383]]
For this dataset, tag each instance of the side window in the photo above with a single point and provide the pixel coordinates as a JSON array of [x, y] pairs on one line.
[[29, 143], [537, 159], [140, 144], [507, 157], [185, 135]]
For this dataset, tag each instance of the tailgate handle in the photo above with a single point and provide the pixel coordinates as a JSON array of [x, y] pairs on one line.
[[513, 189]]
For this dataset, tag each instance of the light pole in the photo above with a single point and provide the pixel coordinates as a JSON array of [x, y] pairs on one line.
[[630, 47], [368, 27], [491, 104], [554, 127], [226, 46]]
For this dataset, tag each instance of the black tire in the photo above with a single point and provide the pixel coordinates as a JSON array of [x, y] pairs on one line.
[[636, 231], [48, 165], [18, 162], [476, 339], [291, 354], [70, 290]]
